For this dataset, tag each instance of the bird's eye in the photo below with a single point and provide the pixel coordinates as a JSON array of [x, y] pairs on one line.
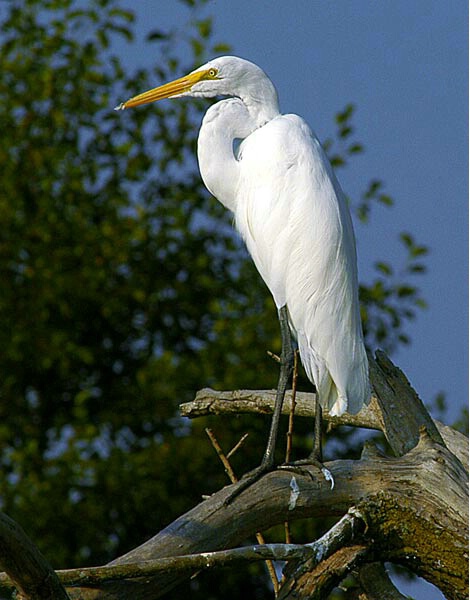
[[212, 72]]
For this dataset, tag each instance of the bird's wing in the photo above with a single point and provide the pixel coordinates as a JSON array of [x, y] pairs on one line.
[[293, 216]]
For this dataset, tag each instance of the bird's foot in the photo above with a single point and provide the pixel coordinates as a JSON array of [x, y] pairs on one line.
[[248, 480], [297, 467]]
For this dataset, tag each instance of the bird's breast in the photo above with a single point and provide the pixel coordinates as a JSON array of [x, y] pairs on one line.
[[288, 209]]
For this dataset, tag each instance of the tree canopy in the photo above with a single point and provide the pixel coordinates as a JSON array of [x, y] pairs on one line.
[[125, 289]]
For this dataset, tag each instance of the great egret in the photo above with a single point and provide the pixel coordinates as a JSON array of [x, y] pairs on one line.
[[271, 172]]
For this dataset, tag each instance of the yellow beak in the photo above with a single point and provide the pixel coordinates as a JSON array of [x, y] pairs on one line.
[[174, 88]]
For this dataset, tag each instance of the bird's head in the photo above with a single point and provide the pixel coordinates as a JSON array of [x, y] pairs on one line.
[[223, 76]]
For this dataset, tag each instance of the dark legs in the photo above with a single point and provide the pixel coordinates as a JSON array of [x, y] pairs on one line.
[[287, 364], [267, 464], [317, 453], [316, 456]]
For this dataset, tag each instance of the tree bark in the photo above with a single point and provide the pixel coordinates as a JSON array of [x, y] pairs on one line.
[[413, 508], [29, 571], [394, 408], [376, 585]]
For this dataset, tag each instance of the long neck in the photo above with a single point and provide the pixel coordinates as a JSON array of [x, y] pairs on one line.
[[223, 124], [261, 101]]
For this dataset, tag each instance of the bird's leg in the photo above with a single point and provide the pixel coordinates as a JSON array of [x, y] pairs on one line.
[[316, 456], [286, 366], [317, 452]]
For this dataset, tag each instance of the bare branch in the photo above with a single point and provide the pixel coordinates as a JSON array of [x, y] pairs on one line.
[[395, 409], [212, 402], [302, 578], [29, 571], [404, 500], [415, 507], [343, 532], [402, 411], [376, 583], [192, 562], [233, 478], [316, 584]]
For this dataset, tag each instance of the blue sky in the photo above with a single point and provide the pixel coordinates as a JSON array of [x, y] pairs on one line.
[[404, 65]]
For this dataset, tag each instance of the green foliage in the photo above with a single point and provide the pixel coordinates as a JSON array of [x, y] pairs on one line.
[[110, 274], [391, 300], [124, 289]]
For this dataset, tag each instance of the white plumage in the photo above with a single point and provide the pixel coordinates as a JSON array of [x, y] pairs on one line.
[[292, 214], [272, 173]]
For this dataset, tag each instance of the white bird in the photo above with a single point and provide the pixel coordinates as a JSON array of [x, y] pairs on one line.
[[271, 172]]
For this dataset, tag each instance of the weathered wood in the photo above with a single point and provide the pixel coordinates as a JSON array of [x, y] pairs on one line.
[[402, 411], [315, 576], [316, 583], [30, 572], [405, 501], [415, 505], [376, 584], [212, 402]]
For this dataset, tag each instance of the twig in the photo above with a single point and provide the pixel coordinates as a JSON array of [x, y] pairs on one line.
[[233, 478], [188, 562], [290, 431], [237, 445], [220, 453], [274, 356], [315, 552]]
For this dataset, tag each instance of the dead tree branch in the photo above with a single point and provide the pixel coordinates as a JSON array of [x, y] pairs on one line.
[[414, 505], [376, 584], [27, 568], [404, 501], [394, 408], [343, 532]]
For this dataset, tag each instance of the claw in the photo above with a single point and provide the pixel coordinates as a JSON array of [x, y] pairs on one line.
[[328, 476]]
